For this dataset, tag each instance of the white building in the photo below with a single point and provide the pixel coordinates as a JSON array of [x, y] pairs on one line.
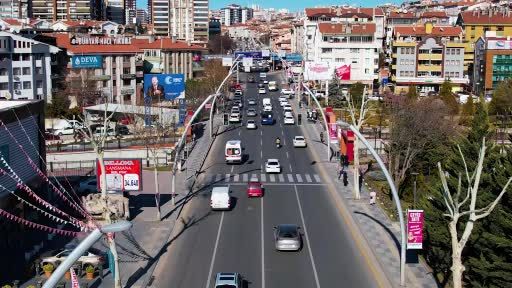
[[14, 9], [235, 14], [115, 11], [25, 68]]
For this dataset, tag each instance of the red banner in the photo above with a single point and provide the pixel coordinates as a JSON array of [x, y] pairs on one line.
[[415, 229], [121, 174], [343, 72]]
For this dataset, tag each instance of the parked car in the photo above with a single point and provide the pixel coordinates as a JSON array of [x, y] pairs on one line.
[[126, 120], [87, 186], [122, 130], [289, 120], [92, 257], [49, 136], [239, 92], [287, 237]]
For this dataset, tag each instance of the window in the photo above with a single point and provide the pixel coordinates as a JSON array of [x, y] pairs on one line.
[[114, 71], [457, 51], [402, 62], [457, 62], [27, 85], [326, 50], [340, 60], [16, 57], [38, 56], [3, 71], [25, 57], [4, 86], [17, 85], [354, 50], [39, 71], [354, 60], [402, 50], [366, 71], [26, 70], [16, 71], [39, 84], [126, 70], [126, 82], [456, 74]]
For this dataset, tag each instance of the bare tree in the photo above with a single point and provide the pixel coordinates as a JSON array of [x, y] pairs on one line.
[[357, 116], [458, 210], [415, 127]]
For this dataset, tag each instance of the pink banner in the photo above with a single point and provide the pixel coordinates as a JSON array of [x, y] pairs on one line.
[[415, 229], [333, 134], [343, 72]]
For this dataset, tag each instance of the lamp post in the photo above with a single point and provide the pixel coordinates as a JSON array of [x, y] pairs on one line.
[[415, 174], [82, 248], [324, 118]]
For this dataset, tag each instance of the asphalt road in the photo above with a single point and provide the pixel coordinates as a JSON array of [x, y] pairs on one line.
[[241, 240]]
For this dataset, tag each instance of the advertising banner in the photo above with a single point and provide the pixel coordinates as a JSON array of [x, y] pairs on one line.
[[281, 53], [161, 87], [333, 133], [247, 62], [343, 72], [499, 44], [227, 61], [317, 71], [182, 106], [87, 61], [265, 53], [121, 174], [415, 229], [252, 54]]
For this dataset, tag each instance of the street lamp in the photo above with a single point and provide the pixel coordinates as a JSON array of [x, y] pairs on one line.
[[82, 248], [324, 118]]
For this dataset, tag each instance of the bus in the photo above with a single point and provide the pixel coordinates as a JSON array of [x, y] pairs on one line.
[[233, 151]]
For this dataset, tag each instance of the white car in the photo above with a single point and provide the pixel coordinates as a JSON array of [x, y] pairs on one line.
[[239, 92], [287, 108], [251, 101], [299, 141], [265, 81], [251, 124], [87, 186], [282, 98], [267, 108], [262, 91], [283, 103], [234, 118], [272, 166], [286, 91], [91, 257], [288, 114], [289, 120]]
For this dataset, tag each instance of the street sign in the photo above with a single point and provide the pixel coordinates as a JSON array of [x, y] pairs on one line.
[[251, 54]]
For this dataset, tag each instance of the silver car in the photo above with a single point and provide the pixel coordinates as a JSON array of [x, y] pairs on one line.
[[251, 112], [287, 237]]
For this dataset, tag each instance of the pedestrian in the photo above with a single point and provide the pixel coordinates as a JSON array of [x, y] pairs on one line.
[[345, 178], [360, 180], [373, 197], [340, 173], [322, 137]]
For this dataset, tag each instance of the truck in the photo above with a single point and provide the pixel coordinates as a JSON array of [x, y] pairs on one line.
[[272, 86]]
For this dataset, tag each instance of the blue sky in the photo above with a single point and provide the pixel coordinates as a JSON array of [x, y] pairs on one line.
[[292, 5]]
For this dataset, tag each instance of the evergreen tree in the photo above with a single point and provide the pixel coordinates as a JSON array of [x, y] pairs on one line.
[[501, 102], [412, 94], [446, 94], [468, 108]]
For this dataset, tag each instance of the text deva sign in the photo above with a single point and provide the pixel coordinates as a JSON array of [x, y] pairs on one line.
[[87, 61]]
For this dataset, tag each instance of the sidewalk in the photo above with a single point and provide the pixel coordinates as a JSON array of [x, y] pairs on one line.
[[140, 248], [381, 234]]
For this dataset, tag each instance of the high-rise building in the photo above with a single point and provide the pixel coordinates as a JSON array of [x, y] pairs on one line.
[[184, 19], [115, 11], [15, 9], [130, 11], [142, 16], [234, 14], [67, 9]]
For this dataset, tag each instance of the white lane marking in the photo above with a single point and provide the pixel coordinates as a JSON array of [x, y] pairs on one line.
[[261, 153], [272, 178], [261, 141], [263, 177], [272, 184], [291, 170], [317, 178], [299, 178], [239, 132], [236, 178], [308, 178], [262, 247], [215, 250], [246, 177], [232, 169], [307, 238], [284, 141], [281, 178], [282, 132], [290, 177], [254, 176], [287, 155], [261, 132], [228, 178]]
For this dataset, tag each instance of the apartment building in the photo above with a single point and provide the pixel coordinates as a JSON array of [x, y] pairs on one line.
[[25, 68], [142, 16], [493, 62], [427, 55], [297, 38], [236, 14], [121, 70], [201, 22], [115, 11], [398, 18], [130, 12], [19, 9], [337, 15], [68, 9]]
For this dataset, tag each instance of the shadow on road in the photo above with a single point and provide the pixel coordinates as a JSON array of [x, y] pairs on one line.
[[138, 202]]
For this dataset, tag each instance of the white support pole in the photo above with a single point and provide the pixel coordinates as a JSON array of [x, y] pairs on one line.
[[395, 198], [327, 93], [325, 121]]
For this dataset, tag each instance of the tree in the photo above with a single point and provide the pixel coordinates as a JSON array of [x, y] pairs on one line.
[[446, 94], [357, 116], [501, 102], [220, 44], [416, 128], [458, 210], [59, 107], [412, 94]]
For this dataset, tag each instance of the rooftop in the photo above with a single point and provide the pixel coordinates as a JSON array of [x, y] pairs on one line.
[[360, 28], [487, 17], [334, 12], [420, 30]]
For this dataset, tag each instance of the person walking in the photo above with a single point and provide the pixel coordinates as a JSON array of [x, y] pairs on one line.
[[340, 173], [360, 180], [373, 197], [345, 178]]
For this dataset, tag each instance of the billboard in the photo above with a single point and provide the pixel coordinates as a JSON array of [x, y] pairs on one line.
[[415, 229], [164, 86], [227, 61], [499, 44], [87, 61], [247, 61], [265, 53], [343, 72], [121, 174], [317, 71], [251, 54]]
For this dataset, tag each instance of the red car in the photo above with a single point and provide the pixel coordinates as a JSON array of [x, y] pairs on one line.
[[254, 189]]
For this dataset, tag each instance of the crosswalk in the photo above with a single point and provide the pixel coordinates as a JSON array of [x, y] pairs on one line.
[[289, 178]]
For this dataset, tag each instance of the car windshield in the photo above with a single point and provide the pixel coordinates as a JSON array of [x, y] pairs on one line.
[[288, 232], [250, 122], [299, 138], [254, 185]]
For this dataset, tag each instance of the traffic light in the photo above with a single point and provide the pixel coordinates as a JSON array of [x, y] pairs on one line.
[[226, 119]]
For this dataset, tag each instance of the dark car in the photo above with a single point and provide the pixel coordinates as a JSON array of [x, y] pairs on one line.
[[122, 130], [50, 136], [266, 118], [250, 79]]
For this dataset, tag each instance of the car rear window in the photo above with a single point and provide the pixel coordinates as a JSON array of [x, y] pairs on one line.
[[225, 286], [273, 163]]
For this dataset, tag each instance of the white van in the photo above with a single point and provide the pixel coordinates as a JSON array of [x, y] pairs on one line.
[[220, 198], [233, 151], [266, 101], [272, 86]]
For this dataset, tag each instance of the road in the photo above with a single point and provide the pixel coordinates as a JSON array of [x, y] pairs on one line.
[[241, 240]]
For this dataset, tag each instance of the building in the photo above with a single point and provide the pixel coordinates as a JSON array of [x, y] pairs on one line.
[[142, 16], [493, 63], [297, 38], [336, 15], [395, 18], [130, 12], [25, 68], [434, 17], [236, 14], [122, 62], [19, 9], [68, 10], [426, 56], [18, 241], [214, 26], [116, 11], [200, 22]]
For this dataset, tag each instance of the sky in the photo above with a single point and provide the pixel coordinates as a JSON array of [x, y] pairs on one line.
[[292, 5]]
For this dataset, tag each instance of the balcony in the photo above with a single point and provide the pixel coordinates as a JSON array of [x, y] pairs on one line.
[[431, 68], [127, 76], [430, 57], [127, 90], [100, 77]]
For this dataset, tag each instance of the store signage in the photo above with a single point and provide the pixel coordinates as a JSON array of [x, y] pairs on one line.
[[87, 61], [101, 41], [121, 174], [415, 229]]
